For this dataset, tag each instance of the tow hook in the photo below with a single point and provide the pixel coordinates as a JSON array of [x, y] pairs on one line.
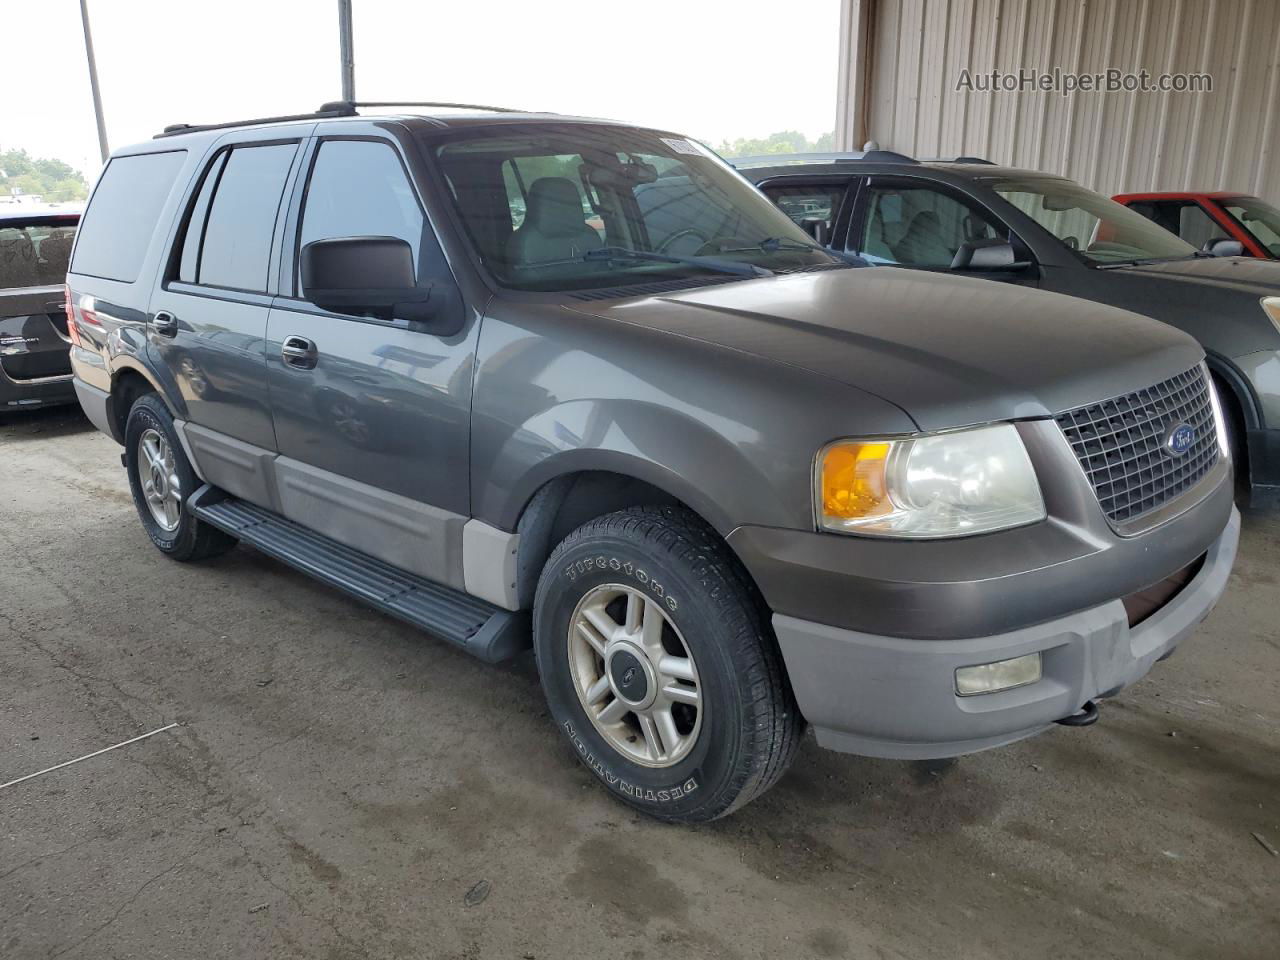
[[1087, 716]]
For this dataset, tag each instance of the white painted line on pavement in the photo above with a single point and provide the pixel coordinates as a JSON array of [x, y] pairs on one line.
[[87, 756]]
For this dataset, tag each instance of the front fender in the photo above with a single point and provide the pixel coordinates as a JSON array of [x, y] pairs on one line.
[[669, 450], [730, 434]]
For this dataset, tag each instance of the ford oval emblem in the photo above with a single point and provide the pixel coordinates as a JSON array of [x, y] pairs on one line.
[[1180, 438]]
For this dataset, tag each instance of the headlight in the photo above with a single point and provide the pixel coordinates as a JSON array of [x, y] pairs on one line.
[[1272, 307], [941, 485], [1219, 421]]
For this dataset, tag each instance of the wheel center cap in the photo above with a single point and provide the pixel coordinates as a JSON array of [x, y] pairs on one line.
[[159, 482], [631, 676]]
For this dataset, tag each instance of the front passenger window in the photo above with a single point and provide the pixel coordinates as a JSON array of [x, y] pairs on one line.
[[919, 227], [358, 188]]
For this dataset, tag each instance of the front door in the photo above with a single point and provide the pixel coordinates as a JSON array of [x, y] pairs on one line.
[[372, 416]]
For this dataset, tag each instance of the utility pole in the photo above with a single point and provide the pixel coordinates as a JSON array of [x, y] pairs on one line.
[[345, 51], [93, 82]]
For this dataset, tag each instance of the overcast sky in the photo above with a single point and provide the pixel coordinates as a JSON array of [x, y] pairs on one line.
[[715, 69]]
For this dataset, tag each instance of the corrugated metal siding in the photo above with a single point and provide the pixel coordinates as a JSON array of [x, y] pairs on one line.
[[1226, 139]]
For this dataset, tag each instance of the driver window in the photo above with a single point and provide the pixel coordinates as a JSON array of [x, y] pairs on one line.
[[919, 227]]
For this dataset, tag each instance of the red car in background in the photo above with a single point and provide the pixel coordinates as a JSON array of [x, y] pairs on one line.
[[1223, 223]]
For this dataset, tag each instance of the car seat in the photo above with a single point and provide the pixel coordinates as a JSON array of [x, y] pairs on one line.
[[554, 227]]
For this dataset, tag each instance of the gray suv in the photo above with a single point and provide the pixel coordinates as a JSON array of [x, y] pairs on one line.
[[523, 380]]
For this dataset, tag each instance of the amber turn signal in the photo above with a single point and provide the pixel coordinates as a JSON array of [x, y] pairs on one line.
[[853, 480]]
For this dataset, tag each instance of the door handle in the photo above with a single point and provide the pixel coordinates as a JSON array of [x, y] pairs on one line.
[[299, 352], [165, 323]]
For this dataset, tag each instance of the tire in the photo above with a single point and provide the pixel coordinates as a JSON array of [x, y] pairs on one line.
[[744, 731], [188, 538]]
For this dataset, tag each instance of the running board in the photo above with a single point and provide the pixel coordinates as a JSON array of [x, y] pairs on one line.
[[478, 627]]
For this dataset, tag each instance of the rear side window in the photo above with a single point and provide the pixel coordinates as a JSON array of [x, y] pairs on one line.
[[123, 214], [235, 249]]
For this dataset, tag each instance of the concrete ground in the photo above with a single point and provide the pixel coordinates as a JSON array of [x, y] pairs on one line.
[[340, 782]]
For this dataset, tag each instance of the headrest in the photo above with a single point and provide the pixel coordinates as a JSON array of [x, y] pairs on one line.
[[555, 207]]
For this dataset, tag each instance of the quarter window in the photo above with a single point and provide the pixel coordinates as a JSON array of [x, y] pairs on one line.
[[123, 213], [235, 237]]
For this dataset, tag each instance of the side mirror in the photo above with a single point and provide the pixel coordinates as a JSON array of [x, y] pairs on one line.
[[991, 256], [1222, 247], [370, 275], [818, 229]]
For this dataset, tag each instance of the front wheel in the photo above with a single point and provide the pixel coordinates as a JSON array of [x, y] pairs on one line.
[[660, 667], [161, 479]]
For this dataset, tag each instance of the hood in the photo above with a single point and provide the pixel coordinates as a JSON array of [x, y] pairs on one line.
[[1244, 275], [949, 351]]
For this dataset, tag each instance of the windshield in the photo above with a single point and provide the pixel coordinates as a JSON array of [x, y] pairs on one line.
[[1258, 217], [577, 206], [1093, 225]]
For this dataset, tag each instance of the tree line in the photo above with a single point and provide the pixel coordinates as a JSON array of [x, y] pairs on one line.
[[52, 180]]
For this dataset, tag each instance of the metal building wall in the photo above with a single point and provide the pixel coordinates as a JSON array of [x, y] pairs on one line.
[[1227, 139]]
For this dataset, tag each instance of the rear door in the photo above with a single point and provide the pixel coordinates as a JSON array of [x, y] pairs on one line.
[[208, 319], [373, 425], [34, 347]]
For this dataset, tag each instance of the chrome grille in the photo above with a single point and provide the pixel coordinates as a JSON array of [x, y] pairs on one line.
[[1121, 444]]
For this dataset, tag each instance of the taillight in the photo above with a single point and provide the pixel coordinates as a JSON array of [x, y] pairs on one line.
[[87, 312], [78, 312], [72, 330]]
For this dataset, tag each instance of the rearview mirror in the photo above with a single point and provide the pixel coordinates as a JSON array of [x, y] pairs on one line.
[[1222, 247], [818, 229], [364, 275], [989, 256]]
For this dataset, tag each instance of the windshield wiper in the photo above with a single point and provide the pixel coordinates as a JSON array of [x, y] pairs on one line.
[[1146, 261], [770, 244], [707, 263]]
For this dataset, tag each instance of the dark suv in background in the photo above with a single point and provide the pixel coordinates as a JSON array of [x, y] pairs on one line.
[[35, 369], [1039, 231], [519, 378]]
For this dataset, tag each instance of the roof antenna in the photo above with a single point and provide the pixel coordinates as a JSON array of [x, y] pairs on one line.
[[871, 145]]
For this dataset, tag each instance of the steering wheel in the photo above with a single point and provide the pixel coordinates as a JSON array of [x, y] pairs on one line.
[[671, 241]]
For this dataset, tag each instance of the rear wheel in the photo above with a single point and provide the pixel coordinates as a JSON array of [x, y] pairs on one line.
[[161, 479], [659, 665]]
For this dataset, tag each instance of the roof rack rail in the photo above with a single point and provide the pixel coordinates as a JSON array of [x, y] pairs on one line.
[[337, 108], [979, 160], [431, 103], [779, 159], [334, 108]]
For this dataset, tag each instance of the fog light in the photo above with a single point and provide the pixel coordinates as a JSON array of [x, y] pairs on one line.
[[1001, 675]]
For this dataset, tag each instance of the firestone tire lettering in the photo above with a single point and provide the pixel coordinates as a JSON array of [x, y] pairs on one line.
[[666, 795]]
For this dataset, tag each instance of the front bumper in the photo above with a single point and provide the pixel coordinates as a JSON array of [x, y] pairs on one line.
[[895, 697]]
